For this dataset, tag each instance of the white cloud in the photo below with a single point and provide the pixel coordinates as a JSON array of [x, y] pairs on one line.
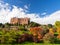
[[51, 19], [6, 14], [25, 6]]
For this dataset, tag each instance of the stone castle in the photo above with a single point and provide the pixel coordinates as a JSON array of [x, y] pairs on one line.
[[20, 20]]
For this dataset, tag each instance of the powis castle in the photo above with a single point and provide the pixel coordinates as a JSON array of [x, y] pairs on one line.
[[22, 21]]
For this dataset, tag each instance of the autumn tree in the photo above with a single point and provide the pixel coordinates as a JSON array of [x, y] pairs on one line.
[[57, 25], [37, 32]]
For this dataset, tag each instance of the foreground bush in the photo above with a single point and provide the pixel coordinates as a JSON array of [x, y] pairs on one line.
[[27, 37], [24, 37], [36, 35], [9, 36]]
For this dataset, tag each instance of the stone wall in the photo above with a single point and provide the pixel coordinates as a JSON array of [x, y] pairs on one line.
[[19, 20]]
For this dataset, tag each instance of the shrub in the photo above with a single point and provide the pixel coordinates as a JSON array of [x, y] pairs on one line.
[[28, 37], [35, 39], [24, 37], [58, 36], [38, 33], [56, 40], [8, 36], [48, 38], [37, 30]]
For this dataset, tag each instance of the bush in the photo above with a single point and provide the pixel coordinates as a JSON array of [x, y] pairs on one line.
[[48, 38], [56, 40], [24, 37], [58, 36], [27, 37], [8, 36], [35, 39]]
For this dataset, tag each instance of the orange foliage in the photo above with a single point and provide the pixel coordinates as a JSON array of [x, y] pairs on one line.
[[51, 31], [37, 31], [40, 36], [58, 36], [58, 30]]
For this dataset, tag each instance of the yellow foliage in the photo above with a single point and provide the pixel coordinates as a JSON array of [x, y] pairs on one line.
[[57, 25], [51, 30], [58, 30]]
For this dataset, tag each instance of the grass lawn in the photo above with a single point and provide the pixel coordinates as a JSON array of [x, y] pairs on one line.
[[28, 43]]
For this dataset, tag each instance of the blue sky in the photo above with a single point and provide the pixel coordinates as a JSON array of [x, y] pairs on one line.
[[37, 6], [39, 11]]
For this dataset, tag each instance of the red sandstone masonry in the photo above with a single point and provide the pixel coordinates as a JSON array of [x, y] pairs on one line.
[[19, 20]]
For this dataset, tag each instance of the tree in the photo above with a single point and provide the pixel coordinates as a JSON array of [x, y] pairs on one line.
[[33, 24], [50, 25], [57, 25], [37, 32], [45, 28], [1, 25], [7, 25], [51, 30]]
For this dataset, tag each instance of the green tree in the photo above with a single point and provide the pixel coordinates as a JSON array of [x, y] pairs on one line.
[[50, 25], [7, 25], [33, 24], [1, 25]]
